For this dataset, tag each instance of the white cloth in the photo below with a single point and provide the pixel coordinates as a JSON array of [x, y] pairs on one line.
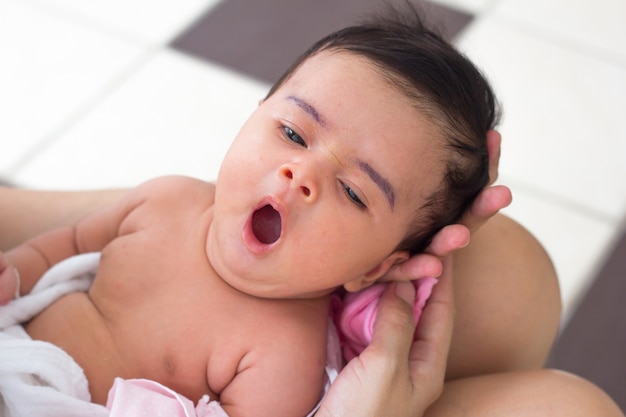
[[38, 378]]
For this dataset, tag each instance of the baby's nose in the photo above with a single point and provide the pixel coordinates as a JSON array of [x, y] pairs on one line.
[[298, 179]]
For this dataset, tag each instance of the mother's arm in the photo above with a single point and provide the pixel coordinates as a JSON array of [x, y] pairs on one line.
[[26, 213]]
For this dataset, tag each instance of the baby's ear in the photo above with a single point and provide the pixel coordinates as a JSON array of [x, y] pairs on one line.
[[396, 258]]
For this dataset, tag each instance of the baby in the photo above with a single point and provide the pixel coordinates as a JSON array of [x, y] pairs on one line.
[[370, 143]]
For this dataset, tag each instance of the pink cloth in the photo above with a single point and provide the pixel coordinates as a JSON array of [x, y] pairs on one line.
[[357, 314], [142, 397]]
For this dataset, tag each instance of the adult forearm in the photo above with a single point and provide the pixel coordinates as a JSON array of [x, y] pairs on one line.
[[26, 213]]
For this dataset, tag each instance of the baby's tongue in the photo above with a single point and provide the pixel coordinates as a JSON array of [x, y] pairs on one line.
[[266, 224]]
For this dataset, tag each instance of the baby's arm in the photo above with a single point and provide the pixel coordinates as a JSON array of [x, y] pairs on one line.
[[32, 258], [284, 378]]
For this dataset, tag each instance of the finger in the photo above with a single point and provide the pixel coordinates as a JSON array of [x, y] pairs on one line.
[[9, 284], [394, 327], [3, 262], [494, 141], [429, 353], [418, 266], [490, 201], [449, 239]]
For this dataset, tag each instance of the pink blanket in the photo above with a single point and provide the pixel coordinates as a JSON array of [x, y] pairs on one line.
[[142, 397], [358, 314]]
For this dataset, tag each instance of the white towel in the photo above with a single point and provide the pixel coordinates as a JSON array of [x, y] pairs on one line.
[[38, 378]]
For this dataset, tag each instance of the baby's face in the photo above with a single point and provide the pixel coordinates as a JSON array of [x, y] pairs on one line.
[[321, 183]]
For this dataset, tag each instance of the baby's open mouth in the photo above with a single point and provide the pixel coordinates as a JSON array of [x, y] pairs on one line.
[[266, 224]]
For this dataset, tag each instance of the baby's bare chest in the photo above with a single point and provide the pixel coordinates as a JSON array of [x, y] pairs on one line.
[[174, 321], [168, 317], [186, 345], [179, 323]]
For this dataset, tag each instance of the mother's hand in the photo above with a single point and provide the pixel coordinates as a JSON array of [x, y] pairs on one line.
[[491, 200], [394, 375]]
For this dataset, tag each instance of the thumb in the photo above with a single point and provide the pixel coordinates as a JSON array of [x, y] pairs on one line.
[[394, 327], [405, 291]]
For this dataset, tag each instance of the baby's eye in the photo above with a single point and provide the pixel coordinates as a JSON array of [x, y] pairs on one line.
[[293, 136], [353, 196]]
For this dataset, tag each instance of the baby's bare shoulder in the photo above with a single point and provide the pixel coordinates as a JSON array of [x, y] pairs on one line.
[[176, 186], [285, 366], [166, 196]]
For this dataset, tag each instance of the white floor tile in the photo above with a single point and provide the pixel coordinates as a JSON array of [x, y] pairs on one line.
[[50, 70], [574, 241], [176, 116], [563, 127], [153, 21], [598, 24]]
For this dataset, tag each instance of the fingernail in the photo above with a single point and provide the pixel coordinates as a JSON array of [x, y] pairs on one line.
[[406, 291]]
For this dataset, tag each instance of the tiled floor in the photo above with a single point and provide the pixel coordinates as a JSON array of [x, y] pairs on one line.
[[91, 95]]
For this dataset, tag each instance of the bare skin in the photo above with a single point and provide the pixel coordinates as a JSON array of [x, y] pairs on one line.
[[393, 386], [502, 307], [528, 393], [397, 376], [180, 254], [534, 284], [532, 392], [155, 277]]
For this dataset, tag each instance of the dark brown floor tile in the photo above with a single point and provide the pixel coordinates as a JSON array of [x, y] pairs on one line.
[[593, 344], [261, 38]]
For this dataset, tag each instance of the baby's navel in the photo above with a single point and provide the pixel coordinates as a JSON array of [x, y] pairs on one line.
[[169, 364]]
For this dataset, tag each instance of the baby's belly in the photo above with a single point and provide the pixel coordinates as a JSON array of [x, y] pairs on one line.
[[74, 324]]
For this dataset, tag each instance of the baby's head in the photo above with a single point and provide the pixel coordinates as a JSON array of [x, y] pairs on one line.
[[442, 85], [370, 143]]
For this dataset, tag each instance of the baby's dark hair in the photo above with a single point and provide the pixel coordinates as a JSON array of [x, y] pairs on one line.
[[445, 87]]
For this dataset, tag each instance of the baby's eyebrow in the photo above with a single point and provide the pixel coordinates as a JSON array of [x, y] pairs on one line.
[[308, 108], [380, 181]]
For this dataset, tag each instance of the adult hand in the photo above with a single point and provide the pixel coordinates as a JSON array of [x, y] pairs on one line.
[[491, 200], [394, 375]]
